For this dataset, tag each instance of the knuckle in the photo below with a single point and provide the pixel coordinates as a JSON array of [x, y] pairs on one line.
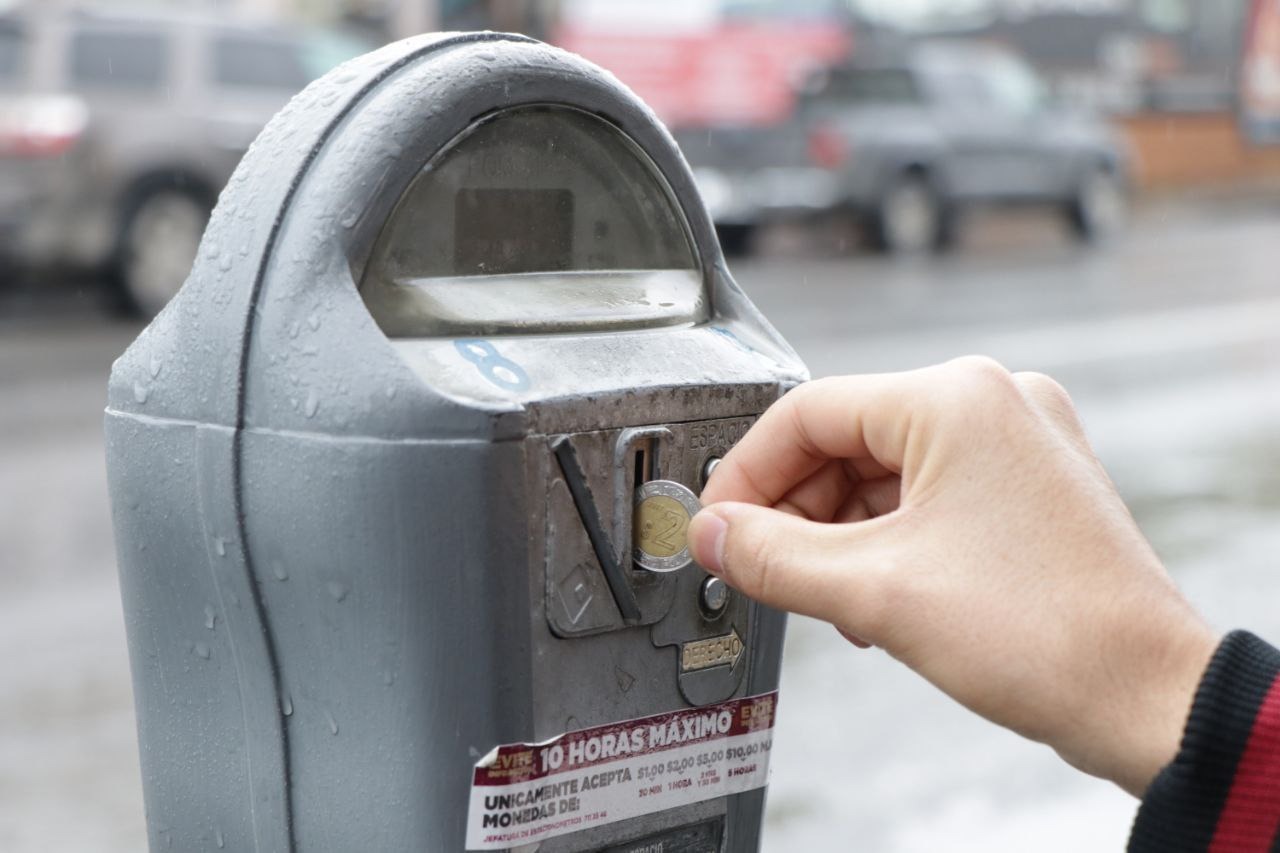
[[983, 372], [978, 389], [798, 396], [1044, 389], [1052, 398], [791, 402]]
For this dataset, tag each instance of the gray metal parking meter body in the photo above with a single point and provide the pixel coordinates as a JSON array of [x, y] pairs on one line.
[[373, 475]]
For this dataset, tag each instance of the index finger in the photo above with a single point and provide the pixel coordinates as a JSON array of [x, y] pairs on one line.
[[861, 419]]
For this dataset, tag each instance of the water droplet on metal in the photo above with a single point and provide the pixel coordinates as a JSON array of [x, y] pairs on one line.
[[220, 545], [141, 392], [286, 705], [333, 724], [210, 617], [391, 392], [155, 365], [202, 651], [314, 322], [217, 837], [338, 590], [313, 404], [278, 569]]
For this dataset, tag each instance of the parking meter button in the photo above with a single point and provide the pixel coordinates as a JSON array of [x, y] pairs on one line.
[[709, 468], [714, 597]]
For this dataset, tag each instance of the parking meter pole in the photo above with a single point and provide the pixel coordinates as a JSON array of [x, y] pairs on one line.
[[369, 605]]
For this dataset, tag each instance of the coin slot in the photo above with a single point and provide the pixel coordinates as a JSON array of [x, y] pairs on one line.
[[643, 462]]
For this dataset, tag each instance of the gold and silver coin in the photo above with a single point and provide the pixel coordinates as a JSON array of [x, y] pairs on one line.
[[660, 525]]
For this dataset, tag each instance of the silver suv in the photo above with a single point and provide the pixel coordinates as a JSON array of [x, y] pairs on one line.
[[907, 142], [118, 129]]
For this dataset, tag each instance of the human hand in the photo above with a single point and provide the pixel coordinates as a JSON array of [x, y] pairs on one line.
[[957, 518]]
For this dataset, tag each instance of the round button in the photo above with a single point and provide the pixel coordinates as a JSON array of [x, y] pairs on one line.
[[709, 467], [715, 596]]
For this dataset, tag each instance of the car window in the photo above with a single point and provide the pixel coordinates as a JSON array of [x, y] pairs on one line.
[[888, 86], [13, 49], [959, 88], [1013, 86], [259, 63], [118, 59]]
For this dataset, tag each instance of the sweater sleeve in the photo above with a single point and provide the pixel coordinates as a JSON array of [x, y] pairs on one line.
[[1221, 792]]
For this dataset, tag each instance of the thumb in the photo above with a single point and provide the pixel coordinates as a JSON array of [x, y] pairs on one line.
[[784, 561]]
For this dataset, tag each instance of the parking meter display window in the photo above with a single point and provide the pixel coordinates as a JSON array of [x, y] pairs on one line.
[[536, 219], [509, 230]]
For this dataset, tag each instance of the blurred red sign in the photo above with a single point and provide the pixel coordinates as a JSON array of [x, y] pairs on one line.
[[1260, 77], [736, 74]]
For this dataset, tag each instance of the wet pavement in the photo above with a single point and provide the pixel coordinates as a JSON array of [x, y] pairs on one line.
[[1169, 342]]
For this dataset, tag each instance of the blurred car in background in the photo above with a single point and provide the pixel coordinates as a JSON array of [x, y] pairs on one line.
[[118, 129], [906, 143]]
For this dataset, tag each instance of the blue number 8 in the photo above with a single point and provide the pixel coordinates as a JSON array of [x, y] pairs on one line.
[[501, 371]]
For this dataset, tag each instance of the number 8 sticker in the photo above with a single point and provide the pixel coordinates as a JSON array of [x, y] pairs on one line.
[[501, 371]]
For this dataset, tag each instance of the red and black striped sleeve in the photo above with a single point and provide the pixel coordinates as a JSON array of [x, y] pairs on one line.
[[1222, 791]]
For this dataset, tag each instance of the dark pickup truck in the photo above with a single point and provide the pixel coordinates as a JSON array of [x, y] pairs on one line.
[[907, 144]]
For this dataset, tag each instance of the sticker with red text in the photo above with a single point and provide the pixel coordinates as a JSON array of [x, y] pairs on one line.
[[527, 792]]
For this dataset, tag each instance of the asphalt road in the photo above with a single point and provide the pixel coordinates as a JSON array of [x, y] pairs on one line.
[[1168, 340]]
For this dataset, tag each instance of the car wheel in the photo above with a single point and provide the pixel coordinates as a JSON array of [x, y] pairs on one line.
[[908, 219], [736, 241], [1099, 208], [158, 246]]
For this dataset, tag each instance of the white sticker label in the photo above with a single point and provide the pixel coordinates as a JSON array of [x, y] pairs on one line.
[[522, 793]]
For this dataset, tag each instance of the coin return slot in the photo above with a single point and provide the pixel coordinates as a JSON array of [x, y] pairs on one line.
[[606, 556]]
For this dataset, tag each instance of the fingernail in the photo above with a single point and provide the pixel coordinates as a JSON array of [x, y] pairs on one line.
[[706, 540]]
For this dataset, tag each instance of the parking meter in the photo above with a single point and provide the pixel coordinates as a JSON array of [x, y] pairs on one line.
[[376, 471]]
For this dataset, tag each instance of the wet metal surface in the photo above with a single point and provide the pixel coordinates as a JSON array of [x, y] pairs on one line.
[[1168, 343]]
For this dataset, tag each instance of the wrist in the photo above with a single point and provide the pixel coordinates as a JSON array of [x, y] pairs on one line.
[[1146, 693]]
